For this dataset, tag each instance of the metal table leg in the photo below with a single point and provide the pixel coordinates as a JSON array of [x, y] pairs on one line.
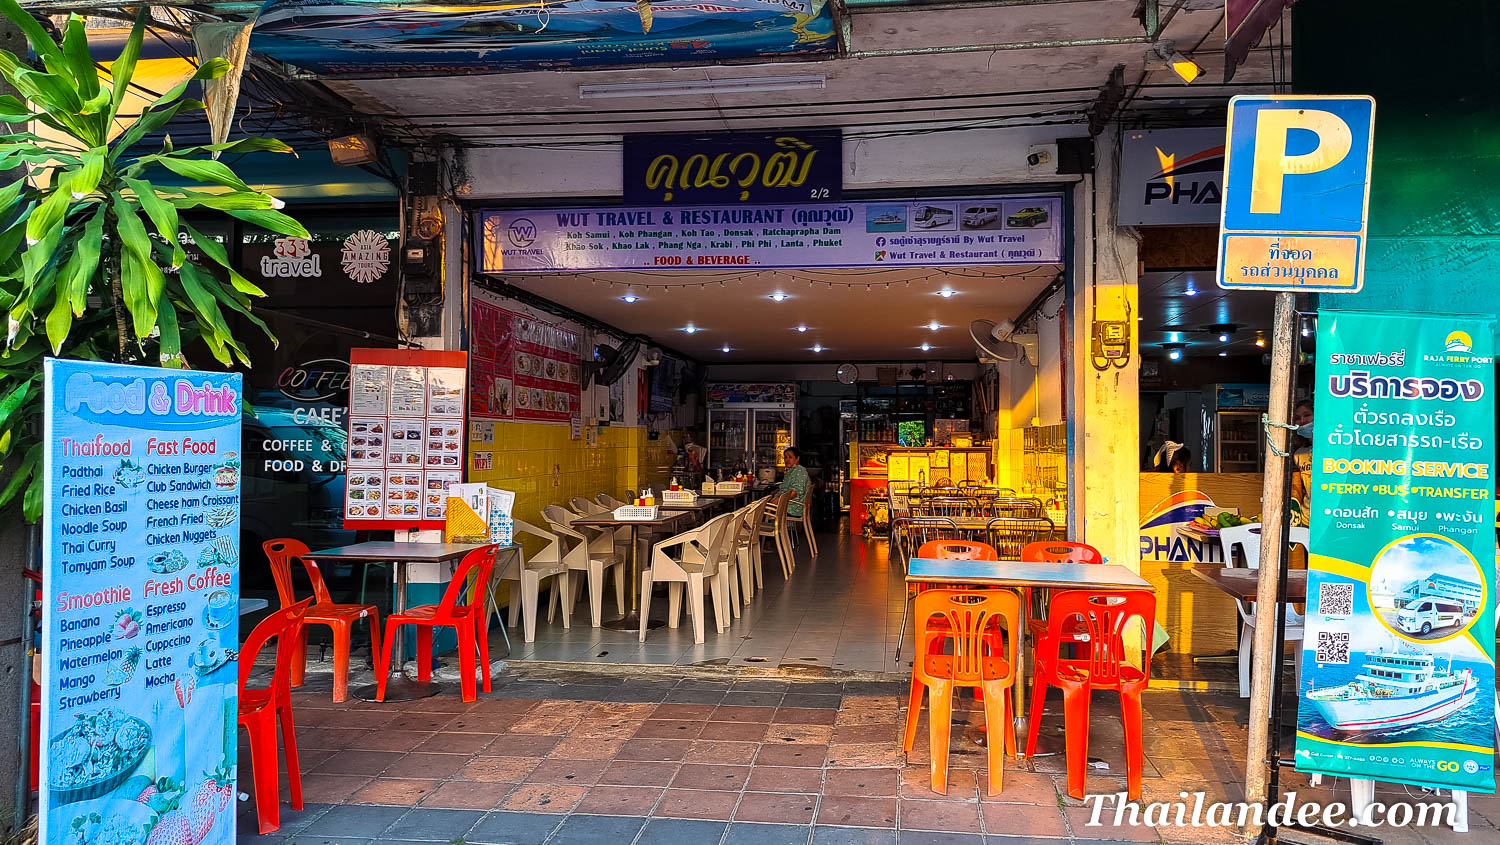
[[632, 620], [399, 688]]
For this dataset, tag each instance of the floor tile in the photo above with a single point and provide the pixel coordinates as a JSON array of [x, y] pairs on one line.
[[355, 821], [927, 837], [654, 750], [513, 829], [782, 808], [864, 783], [681, 832], [633, 773], [434, 825], [597, 830], [719, 751], [522, 745], [403, 792], [670, 729], [951, 816], [852, 836], [331, 789], [739, 712], [421, 765], [784, 779], [744, 833], [751, 731], [791, 754], [703, 776], [697, 804], [620, 800], [368, 763], [498, 769], [576, 772], [863, 812], [468, 795], [543, 798], [1025, 819]]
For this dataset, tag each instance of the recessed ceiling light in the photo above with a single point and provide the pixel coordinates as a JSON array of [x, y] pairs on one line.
[[1174, 350], [690, 328], [1175, 354], [724, 348], [1223, 337], [1260, 341], [1223, 354], [946, 293], [1192, 290], [778, 296], [926, 347], [934, 325], [630, 297], [817, 347], [802, 328]]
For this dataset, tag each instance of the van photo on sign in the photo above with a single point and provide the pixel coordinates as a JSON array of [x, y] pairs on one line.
[[981, 217], [1424, 616], [1426, 587], [933, 217]]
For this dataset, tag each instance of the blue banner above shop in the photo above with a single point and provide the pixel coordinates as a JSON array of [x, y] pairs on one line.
[[728, 167], [888, 233], [373, 38]]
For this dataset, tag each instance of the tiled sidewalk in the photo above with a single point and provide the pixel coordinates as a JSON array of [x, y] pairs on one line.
[[658, 761]]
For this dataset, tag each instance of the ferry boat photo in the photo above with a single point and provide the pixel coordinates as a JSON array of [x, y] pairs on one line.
[[1396, 688]]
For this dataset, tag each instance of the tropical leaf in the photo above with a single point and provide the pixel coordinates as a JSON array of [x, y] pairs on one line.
[[170, 343], [123, 69], [275, 221], [84, 262], [41, 41], [162, 213], [205, 170], [86, 179], [220, 256], [75, 50], [237, 201]]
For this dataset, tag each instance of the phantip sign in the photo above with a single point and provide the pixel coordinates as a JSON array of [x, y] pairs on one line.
[[1296, 193], [1171, 177], [141, 572], [1398, 661]]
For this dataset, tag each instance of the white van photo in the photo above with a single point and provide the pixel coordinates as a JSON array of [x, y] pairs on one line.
[[976, 216], [1423, 615]]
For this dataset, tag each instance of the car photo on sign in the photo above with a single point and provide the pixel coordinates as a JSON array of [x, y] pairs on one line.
[[1026, 217]]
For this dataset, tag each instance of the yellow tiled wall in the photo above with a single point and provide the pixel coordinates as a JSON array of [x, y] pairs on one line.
[[545, 466]]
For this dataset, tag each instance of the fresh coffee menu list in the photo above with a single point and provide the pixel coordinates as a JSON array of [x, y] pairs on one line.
[[141, 604]]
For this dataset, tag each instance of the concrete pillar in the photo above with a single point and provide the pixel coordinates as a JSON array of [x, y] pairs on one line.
[[1104, 403]]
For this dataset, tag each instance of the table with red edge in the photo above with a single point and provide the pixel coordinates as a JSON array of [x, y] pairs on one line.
[[1015, 573], [399, 554]]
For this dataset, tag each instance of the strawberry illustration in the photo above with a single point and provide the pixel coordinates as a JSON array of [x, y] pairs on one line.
[[172, 829], [209, 800], [161, 795]]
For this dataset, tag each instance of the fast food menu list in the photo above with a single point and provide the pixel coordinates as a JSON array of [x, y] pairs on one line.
[[406, 436], [140, 638], [523, 368]]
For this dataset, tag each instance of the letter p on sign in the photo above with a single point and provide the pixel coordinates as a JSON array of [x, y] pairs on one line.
[[1296, 193]]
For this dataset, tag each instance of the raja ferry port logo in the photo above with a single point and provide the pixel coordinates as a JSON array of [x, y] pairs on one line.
[[1459, 342]]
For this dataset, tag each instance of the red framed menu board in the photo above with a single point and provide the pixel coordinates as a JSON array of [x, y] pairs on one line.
[[522, 368], [406, 437]]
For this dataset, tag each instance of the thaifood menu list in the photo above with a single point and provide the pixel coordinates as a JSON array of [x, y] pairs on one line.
[[406, 436], [141, 604]]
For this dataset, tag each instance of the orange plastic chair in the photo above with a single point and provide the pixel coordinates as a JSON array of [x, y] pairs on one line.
[[339, 618], [1060, 551], [470, 620], [957, 550], [1103, 616], [260, 709], [974, 621]]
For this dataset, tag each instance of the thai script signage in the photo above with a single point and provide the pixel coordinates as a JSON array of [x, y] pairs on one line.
[[1172, 177], [522, 368], [902, 233], [1398, 660], [773, 393], [1296, 193], [141, 572], [734, 167]]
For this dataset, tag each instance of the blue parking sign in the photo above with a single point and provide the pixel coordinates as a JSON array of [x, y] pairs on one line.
[[1296, 193]]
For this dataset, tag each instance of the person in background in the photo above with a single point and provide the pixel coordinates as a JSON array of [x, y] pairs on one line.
[[1181, 460], [796, 479], [1302, 443]]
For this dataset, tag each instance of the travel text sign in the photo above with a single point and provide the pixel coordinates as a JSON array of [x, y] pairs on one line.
[[888, 233], [141, 605], [1296, 193], [1398, 650]]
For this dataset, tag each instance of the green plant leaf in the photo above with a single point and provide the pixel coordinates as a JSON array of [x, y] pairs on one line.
[[220, 256], [123, 69], [59, 321], [149, 122], [199, 289], [140, 270], [243, 145], [170, 343], [237, 201], [9, 195], [40, 41], [211, 69], [75, 49], [31, 503], [22, 475], [203, 170], [275, 221], [14, 399], [84, 262], [162, 213], [49, 215], [86, 178], [14, 110]]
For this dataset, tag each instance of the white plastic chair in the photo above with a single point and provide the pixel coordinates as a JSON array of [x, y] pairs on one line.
[[773, 525], [1247, 539], [747, 550], [608, 501], [593, 553], [695, 566], [547, 563], [584, 506]]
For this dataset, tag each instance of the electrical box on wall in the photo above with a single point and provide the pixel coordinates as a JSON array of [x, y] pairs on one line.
[[422, 269]]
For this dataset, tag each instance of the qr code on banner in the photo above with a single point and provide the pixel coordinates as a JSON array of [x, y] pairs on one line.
[[1336, 600], [1333, 647]]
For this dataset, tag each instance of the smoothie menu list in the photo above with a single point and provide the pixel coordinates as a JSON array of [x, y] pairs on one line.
[[141, 603], [406, 436]]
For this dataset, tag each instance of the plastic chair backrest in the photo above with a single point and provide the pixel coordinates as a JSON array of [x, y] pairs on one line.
[[280, 626], [713, 534], [608, 501], [1246, 538], [586, 507], [1060, 551], [281, 553], [551, 551], [957, 550], [479, 563], [971, 616], [1103, 616]]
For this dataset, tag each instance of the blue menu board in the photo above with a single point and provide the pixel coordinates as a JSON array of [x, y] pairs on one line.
[[140, 605]]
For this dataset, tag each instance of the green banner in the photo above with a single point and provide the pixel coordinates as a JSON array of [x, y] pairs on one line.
[[1398, 661]]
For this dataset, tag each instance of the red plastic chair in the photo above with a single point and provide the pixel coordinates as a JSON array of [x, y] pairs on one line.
[[1060, 551], [470, 620], [984, 626], [260, 709], [1104, 617], [339, 618], [948, 550]]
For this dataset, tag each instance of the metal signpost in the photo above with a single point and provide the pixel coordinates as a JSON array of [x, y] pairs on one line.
[[1296, 200]]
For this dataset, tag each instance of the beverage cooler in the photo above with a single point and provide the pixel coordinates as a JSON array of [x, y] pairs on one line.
[[750, 425], [1239, 444]]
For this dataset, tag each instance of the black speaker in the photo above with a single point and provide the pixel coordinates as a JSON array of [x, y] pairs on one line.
[[1075, 155]]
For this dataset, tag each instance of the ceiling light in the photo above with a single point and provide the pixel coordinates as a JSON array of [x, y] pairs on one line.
[[946, 293], [1260, 341], [1175, 354], [802, 328], [1223, 354], [778, 296], [690, 328], [1192, 290], [817, 347], [1225, 330], [934, 325], [1223, 337], [352, 150], [742, 85], [1174, 350], [1164, 55], [724, 348], [630, 297], [926, 347]]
